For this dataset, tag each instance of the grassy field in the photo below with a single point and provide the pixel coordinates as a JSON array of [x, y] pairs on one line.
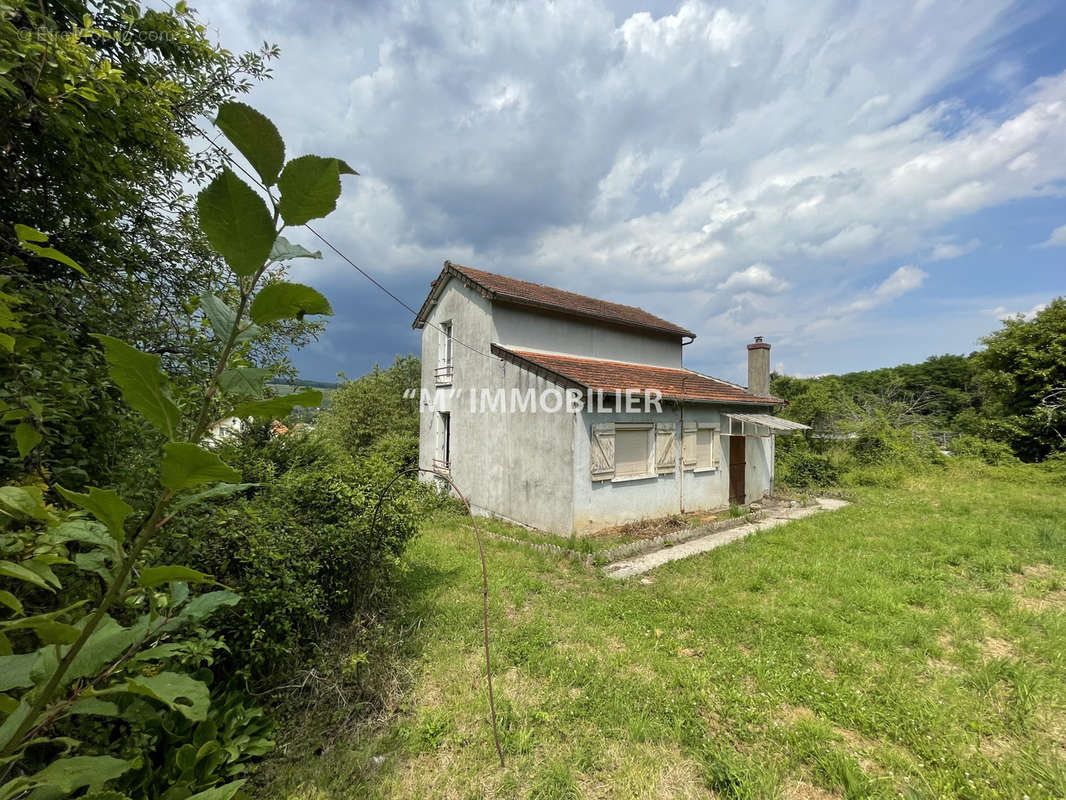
[[913, 644]]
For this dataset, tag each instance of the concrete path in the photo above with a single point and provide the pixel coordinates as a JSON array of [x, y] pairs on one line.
[[778, 516]]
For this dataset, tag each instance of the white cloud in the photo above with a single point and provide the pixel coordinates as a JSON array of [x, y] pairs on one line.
[[679, 159], [903, 280], [947, 250], [757, 277], [1002, 313], [1056, 239]]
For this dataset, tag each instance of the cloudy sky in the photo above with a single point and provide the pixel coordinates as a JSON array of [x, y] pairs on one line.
[[861, 183]]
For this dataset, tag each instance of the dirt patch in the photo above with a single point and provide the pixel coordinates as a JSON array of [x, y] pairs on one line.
[[801, 790], [650, 528], [861, 748], [646, 771], [791, 714], [993, 748], [996, 648], [1039, 588]]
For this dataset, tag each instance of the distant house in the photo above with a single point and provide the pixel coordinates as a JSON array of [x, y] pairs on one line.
[[524, 404]]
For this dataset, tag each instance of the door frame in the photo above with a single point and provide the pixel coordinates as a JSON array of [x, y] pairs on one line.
[[738, 469]]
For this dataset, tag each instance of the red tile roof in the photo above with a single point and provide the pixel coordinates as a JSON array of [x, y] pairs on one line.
[[513, 290], [591, 373]]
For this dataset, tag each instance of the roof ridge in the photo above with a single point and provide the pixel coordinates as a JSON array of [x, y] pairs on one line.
[[521, 291]]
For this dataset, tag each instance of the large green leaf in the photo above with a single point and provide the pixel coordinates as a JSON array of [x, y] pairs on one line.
[[153, 576], [310, 186], [220, 490], [143, 383], [222, 319], [106, 644], [105, 505], [14, 720], [255, 136], [236, 222], [186, 466], [29, 239], [15, 671], [88, 532], [67, 775], [48, 629], [27, 437], [179, 692], [27, 234], [42, 565], [9, 600], [284, 250], [279, 406], [246, 381], [93, 706], [224, 792], [22, 501], [287, 301], [206, 604], [9, 569]]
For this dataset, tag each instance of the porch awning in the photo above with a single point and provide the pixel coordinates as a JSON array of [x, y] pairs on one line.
[[771, 422]]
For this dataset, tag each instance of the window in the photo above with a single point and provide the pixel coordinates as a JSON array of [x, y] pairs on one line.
[[704, 448], [698, 446], [443, 457], [632, 451], [619, 451], [444, 370]]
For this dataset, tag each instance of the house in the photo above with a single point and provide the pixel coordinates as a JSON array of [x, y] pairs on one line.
[[569, 414]]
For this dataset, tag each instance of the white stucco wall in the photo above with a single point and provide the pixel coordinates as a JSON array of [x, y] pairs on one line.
[[599, 504], [534, 330], [532, 467], [519, 465]]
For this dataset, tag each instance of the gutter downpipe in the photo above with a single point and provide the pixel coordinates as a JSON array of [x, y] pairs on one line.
[[681, 440]]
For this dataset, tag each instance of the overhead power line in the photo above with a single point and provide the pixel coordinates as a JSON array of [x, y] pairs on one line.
[[255, 179]]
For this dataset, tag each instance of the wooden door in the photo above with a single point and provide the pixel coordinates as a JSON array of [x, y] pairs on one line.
[[736, 469]]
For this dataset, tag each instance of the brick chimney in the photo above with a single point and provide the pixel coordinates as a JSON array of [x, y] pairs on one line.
[[759, 367]]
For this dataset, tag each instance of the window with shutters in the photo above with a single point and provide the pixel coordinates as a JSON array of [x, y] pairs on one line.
[[632, 451], [698, 446]]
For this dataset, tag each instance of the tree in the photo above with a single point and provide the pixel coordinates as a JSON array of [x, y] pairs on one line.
[[371, 413], [98, 105], [1021, 375], [74, 578]]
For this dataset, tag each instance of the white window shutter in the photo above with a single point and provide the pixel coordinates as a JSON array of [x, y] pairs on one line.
[[688, 445], [601, 452], [665, 447]]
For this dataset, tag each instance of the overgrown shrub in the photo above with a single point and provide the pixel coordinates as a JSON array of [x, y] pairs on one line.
[[989, 451], [372, 415], [799, 467], [301, 548]]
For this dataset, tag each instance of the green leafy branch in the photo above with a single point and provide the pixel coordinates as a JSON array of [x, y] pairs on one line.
[[86, 645]]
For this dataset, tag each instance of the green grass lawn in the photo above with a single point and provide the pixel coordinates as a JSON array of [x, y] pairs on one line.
[[912, 644]]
